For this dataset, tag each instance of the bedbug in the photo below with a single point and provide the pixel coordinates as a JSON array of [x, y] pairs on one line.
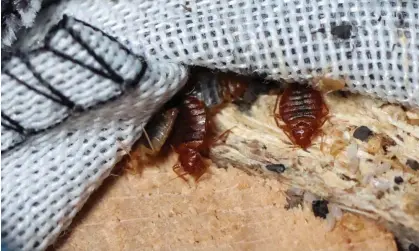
[[157, 131], [233, 86], [303, 111], [155, 134], [193, 138], [218, 89]]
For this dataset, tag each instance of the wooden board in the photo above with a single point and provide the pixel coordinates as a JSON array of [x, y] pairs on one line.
[[228, 210]]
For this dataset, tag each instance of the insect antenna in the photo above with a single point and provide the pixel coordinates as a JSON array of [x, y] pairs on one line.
[[149, 141], [191, 91], [223, 136], [178, 175]]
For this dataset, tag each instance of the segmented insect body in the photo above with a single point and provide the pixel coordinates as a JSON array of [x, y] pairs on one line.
[[192, 138], [216, 89], [155, 134], [303, 111], [204, 86], [157, 131], [233, 86]]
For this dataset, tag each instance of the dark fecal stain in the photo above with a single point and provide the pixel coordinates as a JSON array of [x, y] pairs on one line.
[[387, 142], [398, 180], [413, 247], [320, 208], [347, 178], [293, 200], [379, 195], [400, 138], [343, 31], [362, 133], [413, 164], [278, 168]]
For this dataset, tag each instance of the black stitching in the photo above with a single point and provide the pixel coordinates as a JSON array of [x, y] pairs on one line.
[[12, 124], [36, 90], [58, 96], [123, 47], [63, 24], [62, 98], [93, 69]]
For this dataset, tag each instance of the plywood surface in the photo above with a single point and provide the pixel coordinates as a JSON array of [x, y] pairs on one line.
[[229, 210]]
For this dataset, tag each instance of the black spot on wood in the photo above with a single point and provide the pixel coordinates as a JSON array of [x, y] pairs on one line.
[[278, 168], [379, 195], [400, 138], [414, 164], [347, 178], [362, 133], [387, 142], [398, 180], [320, 208]]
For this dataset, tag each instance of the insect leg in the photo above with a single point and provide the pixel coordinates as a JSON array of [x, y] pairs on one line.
[[177, 169], [223, 137], [132, 162]]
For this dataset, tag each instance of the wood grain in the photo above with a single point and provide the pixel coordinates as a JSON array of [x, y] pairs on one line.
[[228, 210]]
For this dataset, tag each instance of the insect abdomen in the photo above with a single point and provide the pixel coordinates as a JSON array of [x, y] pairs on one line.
[[300, 104], [193, 119]]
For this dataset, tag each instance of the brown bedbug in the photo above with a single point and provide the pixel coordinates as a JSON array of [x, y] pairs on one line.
[[218, 89], [303, 110], [193, 137]]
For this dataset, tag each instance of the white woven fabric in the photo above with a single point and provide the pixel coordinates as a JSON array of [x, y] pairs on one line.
[[47, 177], [46, 180]]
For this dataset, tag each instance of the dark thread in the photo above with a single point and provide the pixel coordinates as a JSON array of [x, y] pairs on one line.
[[62, 99], [32, 88], [112, 74], [59, 97], [13, 124], [123, 47], [92, 69]]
